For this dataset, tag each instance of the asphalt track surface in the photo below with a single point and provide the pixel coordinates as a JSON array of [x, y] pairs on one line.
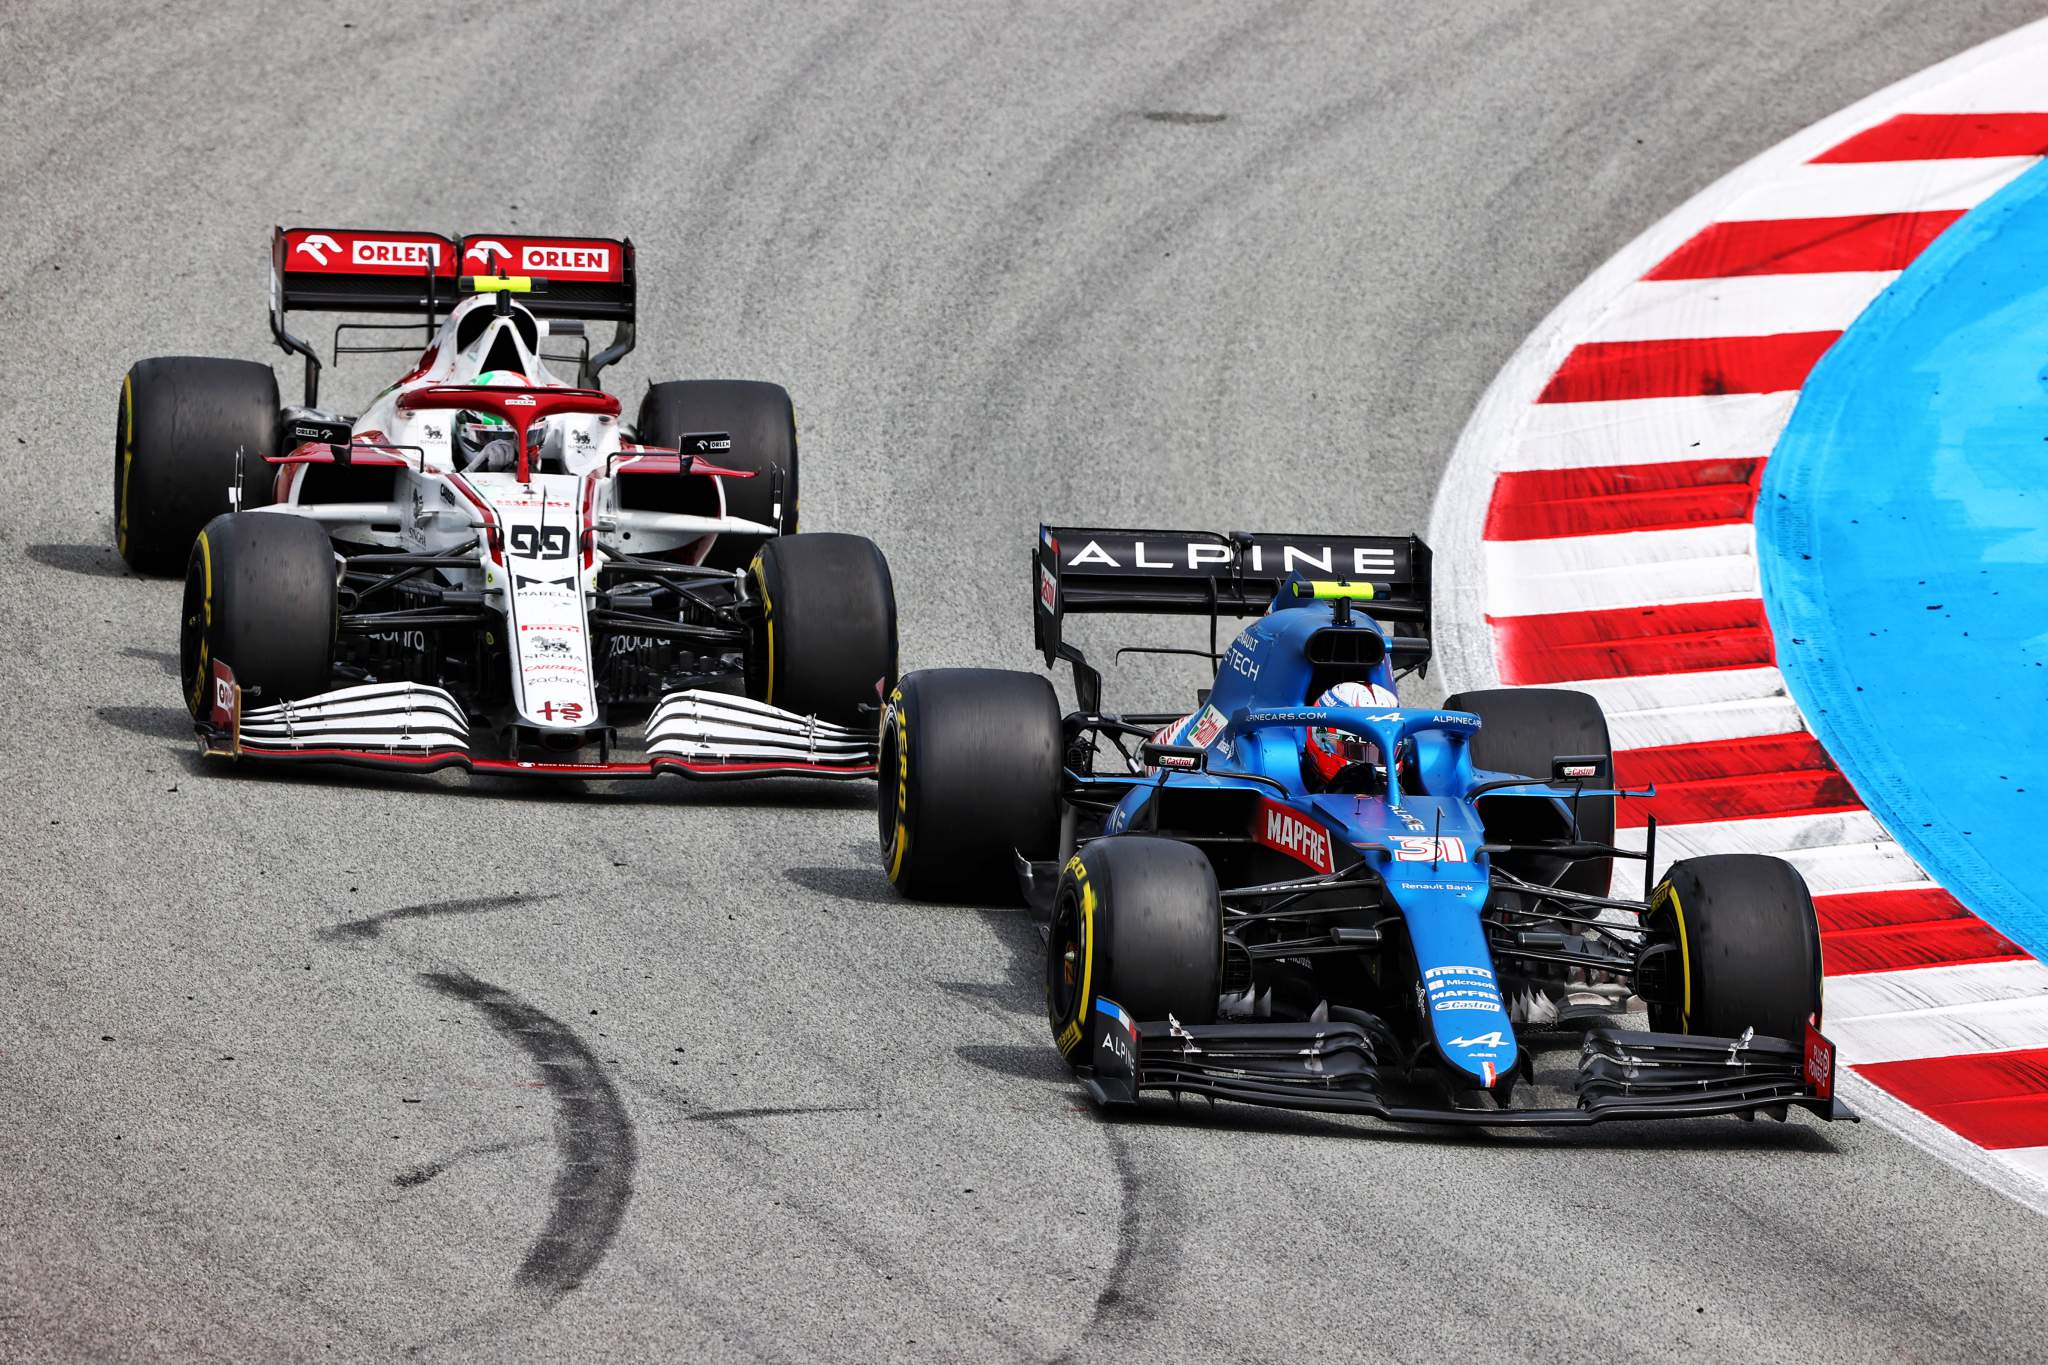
[[334, 1067]]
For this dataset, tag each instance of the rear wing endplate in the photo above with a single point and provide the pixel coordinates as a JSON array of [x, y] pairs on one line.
[[373, 270], [1208, 573]]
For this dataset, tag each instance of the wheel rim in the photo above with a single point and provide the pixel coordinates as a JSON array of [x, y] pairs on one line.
[[123, 421], [1668, 1015], [760, 635], [1065, 953], [892, 801], [194, 652]]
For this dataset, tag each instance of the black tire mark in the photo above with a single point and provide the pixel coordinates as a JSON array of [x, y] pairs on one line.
[[791, 1111], [368, 927], [412, 1176], [1130, 1230], [594, 1137], [1148, 1237]]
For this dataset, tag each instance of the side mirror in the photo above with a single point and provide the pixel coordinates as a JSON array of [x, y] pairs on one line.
[[1180, 758], [1566, 769], [704, 443]]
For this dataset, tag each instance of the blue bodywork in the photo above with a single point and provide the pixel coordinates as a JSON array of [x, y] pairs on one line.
[[1252, 730]]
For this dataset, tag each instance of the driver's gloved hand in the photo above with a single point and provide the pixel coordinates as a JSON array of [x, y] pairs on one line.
[[495, 455]]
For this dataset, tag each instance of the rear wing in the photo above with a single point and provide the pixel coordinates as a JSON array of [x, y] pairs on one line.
[[1207, 573], [588, 277], [370, 270]]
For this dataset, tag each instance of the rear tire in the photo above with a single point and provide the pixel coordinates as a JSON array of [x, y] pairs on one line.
[[825, 645], [762, 423], [1749, 947], [260, 598], [1524, 728], [1136, 920], [187, 427], [970, 777]]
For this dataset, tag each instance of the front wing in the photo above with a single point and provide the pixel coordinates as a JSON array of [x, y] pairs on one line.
[[1334, 1067], [416, 727]]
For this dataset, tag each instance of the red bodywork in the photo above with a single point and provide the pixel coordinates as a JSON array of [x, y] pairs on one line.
[[367, 251], [520, 407], [549, 258]]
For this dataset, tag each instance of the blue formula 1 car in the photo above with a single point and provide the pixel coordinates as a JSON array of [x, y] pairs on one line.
[[1281, 898]]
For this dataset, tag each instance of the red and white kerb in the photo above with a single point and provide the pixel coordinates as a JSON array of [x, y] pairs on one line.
[[1598, 517]]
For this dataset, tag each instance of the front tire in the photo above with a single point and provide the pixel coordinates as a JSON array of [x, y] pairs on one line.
[[1136, 920], [1522, 729], [1747, 944], [970, 775], [188, 428], [260, 598], [762, 423], [825, 644]]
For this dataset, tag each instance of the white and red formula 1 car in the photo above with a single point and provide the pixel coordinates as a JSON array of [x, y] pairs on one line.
[[487, 568]]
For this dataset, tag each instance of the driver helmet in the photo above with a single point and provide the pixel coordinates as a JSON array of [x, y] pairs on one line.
[[484, 440], [1330, 752]]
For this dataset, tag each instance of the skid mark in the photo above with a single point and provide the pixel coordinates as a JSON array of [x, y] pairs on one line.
[[370, 926], [1149, 1231], [789, 1111], [413, 1176], [594, 1139]]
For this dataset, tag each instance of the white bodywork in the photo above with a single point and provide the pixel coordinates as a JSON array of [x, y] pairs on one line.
[[537, 547]]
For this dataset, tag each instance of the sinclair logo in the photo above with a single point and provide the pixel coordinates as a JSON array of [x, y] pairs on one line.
[[1280, 829]]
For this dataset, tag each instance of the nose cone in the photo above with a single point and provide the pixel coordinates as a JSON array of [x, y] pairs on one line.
[[1432, 872]]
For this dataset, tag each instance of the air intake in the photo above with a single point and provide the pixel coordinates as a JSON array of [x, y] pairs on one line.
[[1363, 648]]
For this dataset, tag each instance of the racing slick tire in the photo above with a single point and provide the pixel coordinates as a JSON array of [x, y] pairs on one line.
[[260, 598], [1522, 729], [762, 423], [1137, 920], [825, 643], [970, 773], [187, 428], [1747, 948]]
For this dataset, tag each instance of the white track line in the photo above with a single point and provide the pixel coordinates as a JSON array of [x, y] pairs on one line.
[[1751, 305], [1687, 708], [1883, 994], [1853, 189], [1634, 569], [1741, 426]]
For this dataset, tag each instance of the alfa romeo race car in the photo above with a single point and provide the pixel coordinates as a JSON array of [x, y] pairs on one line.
[[1281, 898], [487, 568]]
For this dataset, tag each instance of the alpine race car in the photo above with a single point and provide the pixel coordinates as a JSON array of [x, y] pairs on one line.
[[1282, 898], [487, 568]]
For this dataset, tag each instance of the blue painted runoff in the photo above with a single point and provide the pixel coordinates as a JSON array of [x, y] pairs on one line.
[[1902, 530]]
